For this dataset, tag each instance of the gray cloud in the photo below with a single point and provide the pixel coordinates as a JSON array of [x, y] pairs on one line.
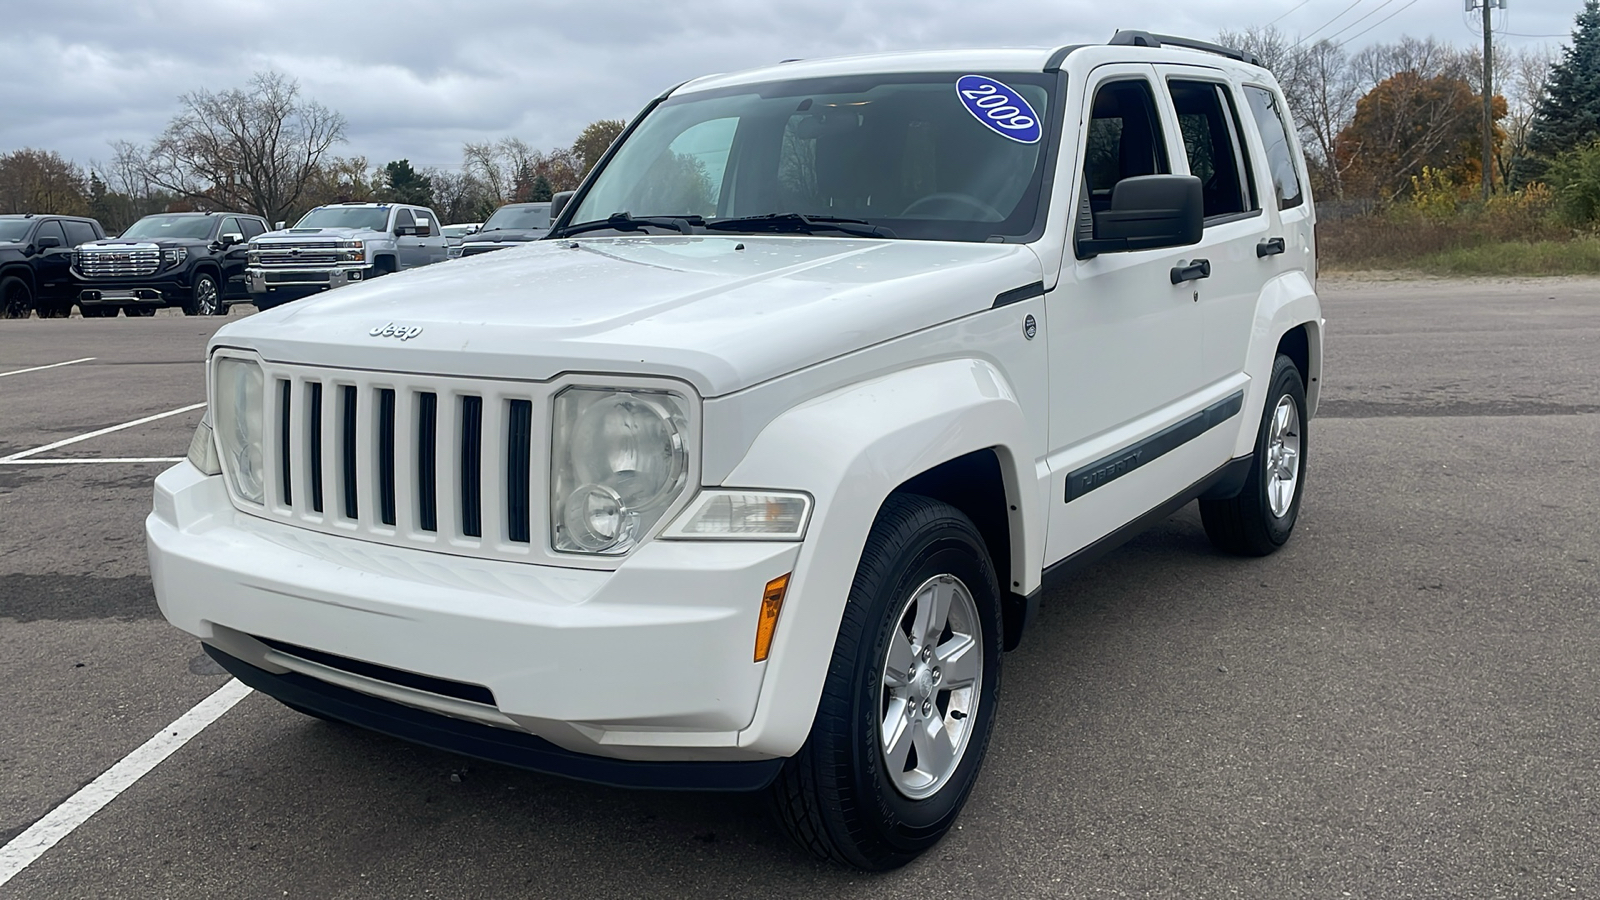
[[416, 79]]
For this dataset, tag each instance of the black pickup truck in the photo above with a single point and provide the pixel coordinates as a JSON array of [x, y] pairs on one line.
[[36, 263], [191, 260]]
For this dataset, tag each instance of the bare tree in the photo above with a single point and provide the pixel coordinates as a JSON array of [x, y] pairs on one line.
[[254, 149], [1522, 75], [42, 181]]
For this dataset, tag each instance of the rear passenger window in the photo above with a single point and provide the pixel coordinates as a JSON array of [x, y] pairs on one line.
[[1211, 140], [78, 232], [1273, 125]]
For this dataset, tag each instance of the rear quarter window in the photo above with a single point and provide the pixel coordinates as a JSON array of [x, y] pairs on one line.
[[1273, 125]]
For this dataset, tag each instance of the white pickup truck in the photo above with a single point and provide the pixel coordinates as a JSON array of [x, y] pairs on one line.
[[747, 475], [332, 246]]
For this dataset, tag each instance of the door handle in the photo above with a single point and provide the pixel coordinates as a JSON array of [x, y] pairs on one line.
[[1270, 247], [1196, 269]]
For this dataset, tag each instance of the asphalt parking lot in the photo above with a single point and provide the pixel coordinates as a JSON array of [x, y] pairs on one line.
[[1403, 703]]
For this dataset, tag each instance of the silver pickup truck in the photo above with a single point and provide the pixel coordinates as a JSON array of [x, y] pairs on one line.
[[332, 246]]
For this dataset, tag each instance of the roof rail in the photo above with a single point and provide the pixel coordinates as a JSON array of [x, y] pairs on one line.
[[1146, 39]]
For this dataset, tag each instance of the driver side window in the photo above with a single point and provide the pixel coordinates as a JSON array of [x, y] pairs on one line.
[[403, 219], [1124, 141]]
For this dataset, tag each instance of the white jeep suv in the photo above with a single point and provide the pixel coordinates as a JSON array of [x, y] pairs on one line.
[[747, 475]]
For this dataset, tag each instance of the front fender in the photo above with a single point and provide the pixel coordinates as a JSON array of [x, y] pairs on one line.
[[850, 449]]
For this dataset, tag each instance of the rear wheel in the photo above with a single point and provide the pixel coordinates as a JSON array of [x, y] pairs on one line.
[[1260, 519], [16, 299], [909, 701]]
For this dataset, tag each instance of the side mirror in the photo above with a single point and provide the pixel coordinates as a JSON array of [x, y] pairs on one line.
[[558, 202], [405, 230], [45, 243], [1149, 212], [278, 226], [232, 238]]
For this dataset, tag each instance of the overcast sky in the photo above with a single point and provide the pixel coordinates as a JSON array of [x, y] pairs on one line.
[[416, 79]]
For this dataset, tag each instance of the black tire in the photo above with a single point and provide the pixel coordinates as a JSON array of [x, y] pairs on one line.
[[1247, 524], [206, 297], [838, 797], [380, 267], [55, 310], [16, 299]]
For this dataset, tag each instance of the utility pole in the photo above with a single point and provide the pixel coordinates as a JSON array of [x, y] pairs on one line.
[[1488, 89]]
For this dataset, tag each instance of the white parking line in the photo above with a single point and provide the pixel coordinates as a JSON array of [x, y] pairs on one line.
[[31, 844], [90, 462], [94, 434], [69, 362]]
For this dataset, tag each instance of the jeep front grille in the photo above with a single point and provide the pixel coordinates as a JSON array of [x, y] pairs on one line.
[[96, 262], [437, 463]]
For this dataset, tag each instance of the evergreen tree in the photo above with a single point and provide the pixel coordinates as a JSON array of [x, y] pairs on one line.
[[1569, 114], [540, 192], [407, 185]]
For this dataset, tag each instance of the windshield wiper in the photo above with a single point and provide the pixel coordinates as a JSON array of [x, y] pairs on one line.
[[622, 221], [803, 224]]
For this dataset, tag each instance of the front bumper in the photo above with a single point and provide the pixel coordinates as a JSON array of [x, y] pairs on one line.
[[165, 289], [262, 280], [650, 662]]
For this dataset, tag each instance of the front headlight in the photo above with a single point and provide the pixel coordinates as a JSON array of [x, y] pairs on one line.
[[620, 460], [252, 257], [173, 256], [239, 403], [352, 251]]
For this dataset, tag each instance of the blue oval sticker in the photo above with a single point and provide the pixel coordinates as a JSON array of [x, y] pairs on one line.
[[1000, 109]]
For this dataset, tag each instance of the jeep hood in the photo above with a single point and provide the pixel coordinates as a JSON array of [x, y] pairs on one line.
[[721, 313]]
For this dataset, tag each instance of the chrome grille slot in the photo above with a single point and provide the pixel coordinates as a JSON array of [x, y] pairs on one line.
[[118, 262], [285, 437], [348, 451], [427, 461], [314, 454], [386, 512], [471, 491], [519, 468]]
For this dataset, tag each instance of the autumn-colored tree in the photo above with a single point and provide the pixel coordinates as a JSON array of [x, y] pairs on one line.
[[42, 181], [593, 142], [1407, 122]]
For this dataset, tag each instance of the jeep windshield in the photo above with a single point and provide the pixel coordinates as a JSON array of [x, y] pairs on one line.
[[370, 218], [916, 155], [507, 218], [155, 228]]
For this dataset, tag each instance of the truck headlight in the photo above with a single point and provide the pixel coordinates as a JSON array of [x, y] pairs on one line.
[[620, 460], [238, 402], [173, 256]]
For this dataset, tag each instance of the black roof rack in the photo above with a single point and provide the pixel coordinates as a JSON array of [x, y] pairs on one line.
[[1146, 39]]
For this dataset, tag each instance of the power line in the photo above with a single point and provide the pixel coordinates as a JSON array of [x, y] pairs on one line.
[[1286, 15], [1358, 34], [1355, 22], [1341, 15]]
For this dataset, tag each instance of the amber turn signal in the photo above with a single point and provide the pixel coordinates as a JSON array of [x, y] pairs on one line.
[[771, 603]]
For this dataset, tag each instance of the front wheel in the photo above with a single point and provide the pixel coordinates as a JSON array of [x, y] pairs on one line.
[[1260, 519], [16, 300], [909, 701], [205, 300]]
